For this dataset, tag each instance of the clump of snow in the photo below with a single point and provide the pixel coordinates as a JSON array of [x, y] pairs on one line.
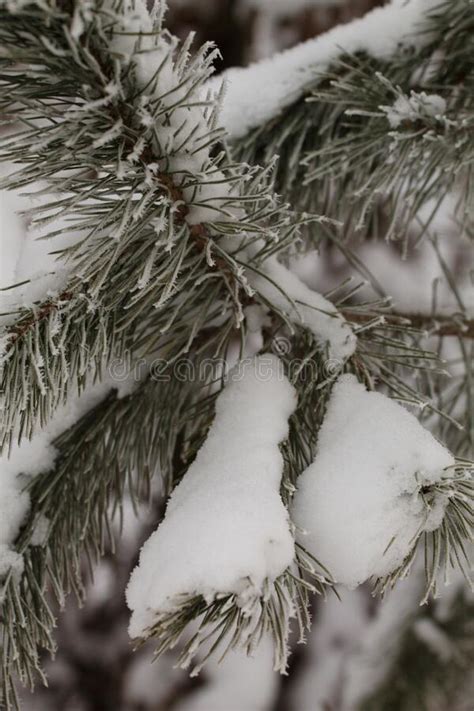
[[10, 563], [283, 79], [417, 105], [285, 291], [226, 528], [130, 18], [359, 501], [14, 504]]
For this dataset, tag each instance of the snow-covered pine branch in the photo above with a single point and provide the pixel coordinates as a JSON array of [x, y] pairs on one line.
[[285, 78], [380, 482], [156, 215], [129, 188], [23, 462], [163, 245], [324, 108], [225, 537]]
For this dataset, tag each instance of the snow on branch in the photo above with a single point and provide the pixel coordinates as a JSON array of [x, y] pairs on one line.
[[226, 529], [178, 108], [283, 289], [256, 94], [378, 482], [28, 459]]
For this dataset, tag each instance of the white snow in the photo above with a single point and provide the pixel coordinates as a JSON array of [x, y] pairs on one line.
[[359, 501], [181, 126], [26, 258], [130, 17], [258, 93], [416, 105], [29, 459], [285, 291], [226, 528], [10, 562]]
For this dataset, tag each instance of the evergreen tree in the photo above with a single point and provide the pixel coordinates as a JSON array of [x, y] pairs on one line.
[[156, 334]]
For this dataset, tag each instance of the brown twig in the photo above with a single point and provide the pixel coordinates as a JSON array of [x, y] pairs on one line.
[[18, 330]]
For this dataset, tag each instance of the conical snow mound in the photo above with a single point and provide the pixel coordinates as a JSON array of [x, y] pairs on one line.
[[226, 528], [359, 504]]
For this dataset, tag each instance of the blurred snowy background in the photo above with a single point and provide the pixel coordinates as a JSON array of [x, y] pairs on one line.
[[349, 649]]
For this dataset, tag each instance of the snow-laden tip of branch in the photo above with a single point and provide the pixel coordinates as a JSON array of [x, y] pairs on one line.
[[256, 94], [360, 502], [226, 529]]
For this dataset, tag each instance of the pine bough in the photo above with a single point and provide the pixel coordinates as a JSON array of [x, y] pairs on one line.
[[177, 253]]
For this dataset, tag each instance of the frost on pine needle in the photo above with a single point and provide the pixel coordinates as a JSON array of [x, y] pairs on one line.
[[378, 483], [115, 115], [29, 264], [150, 193], [174, 108], [417, 105]]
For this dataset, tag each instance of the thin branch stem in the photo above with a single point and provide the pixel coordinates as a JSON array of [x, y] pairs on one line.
[[434, 324]]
